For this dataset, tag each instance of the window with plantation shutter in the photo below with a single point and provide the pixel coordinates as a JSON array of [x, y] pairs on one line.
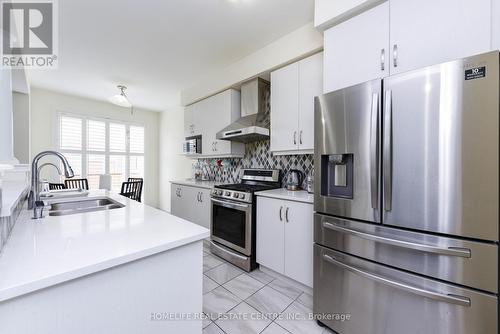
[[136, 139], [117, 137], [97, 146], [71, 133]]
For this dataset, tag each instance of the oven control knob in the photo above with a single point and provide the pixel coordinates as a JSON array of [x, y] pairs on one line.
[[242, 196], [228, 193], [219, 192], [236, 195]]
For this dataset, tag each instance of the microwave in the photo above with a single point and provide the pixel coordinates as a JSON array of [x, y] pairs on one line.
[[192, 145]]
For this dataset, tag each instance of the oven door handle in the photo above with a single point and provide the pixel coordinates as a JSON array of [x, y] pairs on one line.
[[230, 205], [225, 249]]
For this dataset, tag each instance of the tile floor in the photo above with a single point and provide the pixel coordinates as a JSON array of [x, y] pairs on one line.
[[238, 302]]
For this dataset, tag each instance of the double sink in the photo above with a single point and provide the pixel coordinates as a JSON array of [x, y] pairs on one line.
[[73, 206]]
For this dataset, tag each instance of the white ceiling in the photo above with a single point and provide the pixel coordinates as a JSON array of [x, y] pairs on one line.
[[159, 47]]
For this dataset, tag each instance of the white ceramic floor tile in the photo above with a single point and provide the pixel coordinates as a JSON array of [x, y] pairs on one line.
[[302, 325], [269, 301], [212, 329], [275, 329], [210, 261], [243, 319], [223, 273], [243, 286], [306, 300], [285, 288], [218, 301], [261, 276], [208, 284]]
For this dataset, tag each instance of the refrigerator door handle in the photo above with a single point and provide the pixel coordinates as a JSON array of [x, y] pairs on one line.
[[448, 298], [387, 163], [451, 251], [374, 151]]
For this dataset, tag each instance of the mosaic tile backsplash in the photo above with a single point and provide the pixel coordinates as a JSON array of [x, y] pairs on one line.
[[257, 155]]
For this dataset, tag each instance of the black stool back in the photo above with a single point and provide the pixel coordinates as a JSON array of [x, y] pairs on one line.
[[132, 190], [77, 184]]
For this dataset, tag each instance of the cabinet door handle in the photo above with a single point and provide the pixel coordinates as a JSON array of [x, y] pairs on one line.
[[281, 211], [198, 197], [300, 137], [382, 59], [201, 197], [215, 145], [295, 138], [395, 55], [286, 215]]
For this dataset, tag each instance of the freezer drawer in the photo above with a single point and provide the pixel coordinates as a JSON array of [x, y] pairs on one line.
[[382, 300], [474, 264]]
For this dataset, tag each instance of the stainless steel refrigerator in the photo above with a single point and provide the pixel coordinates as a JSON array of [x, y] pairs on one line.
[[406, 201]]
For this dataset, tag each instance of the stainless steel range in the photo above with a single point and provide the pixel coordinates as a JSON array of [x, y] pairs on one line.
[[232, 222]]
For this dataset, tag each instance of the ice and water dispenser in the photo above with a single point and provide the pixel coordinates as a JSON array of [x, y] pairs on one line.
[[337, 175]]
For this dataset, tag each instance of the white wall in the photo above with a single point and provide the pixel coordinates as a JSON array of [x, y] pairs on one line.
[[289, 48], [6, 138], [46, 104], [173, 166], [22, 127]]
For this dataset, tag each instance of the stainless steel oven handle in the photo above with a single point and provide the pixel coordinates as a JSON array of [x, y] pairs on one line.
[[460, 252], [231, 205], [448, 298], [228, 251], [374, 151]]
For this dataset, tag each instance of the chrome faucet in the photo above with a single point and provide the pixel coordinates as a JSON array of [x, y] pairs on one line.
[[34, 196], [45, 184]]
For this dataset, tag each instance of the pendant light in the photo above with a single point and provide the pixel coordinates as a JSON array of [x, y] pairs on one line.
[[121, 99]]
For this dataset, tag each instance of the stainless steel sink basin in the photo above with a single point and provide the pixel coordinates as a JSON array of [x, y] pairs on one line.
[[71, 207]]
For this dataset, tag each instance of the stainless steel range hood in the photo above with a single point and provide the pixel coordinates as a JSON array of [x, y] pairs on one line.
[[254, 122]]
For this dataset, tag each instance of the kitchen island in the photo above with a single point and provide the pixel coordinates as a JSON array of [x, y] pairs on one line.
[[134, 269]]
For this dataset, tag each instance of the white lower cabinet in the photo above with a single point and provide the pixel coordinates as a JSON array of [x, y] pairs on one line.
[[191, 203], [285, 238]]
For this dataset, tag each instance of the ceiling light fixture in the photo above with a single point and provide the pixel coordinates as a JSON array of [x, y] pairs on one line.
[[122, 99]]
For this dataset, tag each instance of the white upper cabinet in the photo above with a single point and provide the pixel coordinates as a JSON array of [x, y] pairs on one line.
[[293, 89], [284, 108], [416, 34], [357, 50], [428, 32], [209, 116], [189, 117], [310, 86]]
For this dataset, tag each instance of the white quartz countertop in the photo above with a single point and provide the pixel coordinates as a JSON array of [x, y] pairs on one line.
[[196, 183], [57, 249], [297, 196]]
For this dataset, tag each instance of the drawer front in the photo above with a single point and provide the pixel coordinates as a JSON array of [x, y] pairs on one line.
[[381, 300], [469, 263]]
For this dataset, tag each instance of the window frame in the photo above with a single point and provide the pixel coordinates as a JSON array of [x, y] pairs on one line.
[[84, 152]]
